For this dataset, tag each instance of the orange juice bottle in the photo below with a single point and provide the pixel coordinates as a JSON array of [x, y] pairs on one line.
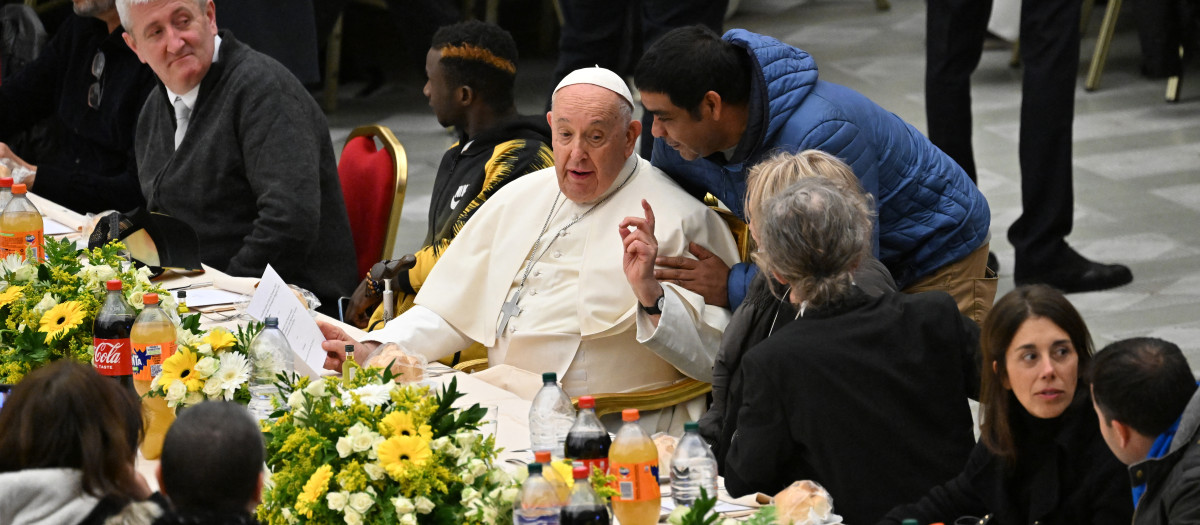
[[153, 340], [21, 225], [633, 459]]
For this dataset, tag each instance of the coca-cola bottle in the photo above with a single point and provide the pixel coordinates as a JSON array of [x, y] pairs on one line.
[[110, 337]]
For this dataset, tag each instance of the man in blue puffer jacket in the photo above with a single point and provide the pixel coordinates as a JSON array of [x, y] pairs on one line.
[[723, 105]]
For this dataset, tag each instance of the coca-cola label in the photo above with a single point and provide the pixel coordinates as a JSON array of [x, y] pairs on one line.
[[111, 357]]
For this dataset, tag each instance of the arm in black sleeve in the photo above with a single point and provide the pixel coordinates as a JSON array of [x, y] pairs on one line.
[[950, 501], [761, 443]]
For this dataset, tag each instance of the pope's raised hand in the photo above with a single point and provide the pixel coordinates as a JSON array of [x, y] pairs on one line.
[[641, 248]]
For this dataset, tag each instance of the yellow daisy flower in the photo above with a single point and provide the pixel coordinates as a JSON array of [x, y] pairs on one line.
[[181, 366], [400, 423], [10, 294], [219, 338], [58, 320], [399, 452], [314, 488]]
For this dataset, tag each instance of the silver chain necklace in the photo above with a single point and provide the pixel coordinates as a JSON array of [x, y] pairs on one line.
[[509, 309]]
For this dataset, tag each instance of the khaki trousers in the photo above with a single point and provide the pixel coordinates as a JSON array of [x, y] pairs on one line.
[[968, 280]]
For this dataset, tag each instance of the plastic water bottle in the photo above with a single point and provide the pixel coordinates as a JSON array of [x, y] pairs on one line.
[[550, 417], [693, 466], [537, 503], [271, 355]]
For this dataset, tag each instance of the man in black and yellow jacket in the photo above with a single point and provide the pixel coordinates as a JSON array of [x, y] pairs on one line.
[[471, 68]]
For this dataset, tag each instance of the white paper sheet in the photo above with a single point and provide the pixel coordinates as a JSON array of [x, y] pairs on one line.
[[53, 227], [273, 298]]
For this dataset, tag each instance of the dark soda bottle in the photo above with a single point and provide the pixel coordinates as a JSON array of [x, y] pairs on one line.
[[588, 441], [112, 351], [584, 507]]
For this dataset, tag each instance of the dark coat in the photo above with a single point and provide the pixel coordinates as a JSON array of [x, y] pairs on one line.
[[757, 318], [1173, 481], [92, 167], [1076, 480], [867, 398], [255, 175]]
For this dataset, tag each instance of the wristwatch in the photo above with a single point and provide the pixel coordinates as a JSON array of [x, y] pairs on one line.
[[657, 308]]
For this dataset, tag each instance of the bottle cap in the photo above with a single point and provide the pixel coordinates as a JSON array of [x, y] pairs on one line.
[[630, 414], [181, 295], [579, 472], [535, 468], [542, 456], [273, 322], [587, 402], [349, 349], [691, 426], [549, 377], [113, 285], [18, 189], [6, 182], [150, 298], [909, 521]]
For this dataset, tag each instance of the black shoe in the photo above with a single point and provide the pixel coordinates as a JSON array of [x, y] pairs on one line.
[[993, 263], [1085, 276]]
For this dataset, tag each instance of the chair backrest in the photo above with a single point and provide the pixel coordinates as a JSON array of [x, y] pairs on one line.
[[738, 227], [373, 182]]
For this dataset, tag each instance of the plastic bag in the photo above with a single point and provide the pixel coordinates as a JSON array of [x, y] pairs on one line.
[[805, 503]]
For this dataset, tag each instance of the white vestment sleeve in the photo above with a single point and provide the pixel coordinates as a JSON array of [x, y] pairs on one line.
[[688, 332], [421, 331]]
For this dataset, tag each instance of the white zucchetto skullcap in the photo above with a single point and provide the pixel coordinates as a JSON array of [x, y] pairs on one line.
[[597, 76]]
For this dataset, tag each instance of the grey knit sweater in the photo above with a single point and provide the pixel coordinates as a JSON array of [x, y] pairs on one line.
[[255, 175]]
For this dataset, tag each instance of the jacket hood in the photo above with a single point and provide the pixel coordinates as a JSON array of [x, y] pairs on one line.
[[528, 127], [783, 76], [43, 496]]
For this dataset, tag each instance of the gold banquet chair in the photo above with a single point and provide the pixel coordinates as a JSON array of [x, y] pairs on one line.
[[685, 389]]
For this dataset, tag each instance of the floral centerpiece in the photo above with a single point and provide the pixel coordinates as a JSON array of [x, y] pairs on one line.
[[212, 365], [47, 308], [380, 452]]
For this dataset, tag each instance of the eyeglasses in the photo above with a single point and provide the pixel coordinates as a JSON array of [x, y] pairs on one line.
[[96, 91]]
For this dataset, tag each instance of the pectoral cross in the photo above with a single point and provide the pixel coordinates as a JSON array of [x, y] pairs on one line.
[[507, 311]]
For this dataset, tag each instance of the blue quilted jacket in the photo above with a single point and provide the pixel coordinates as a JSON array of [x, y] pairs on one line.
[[929, 211]]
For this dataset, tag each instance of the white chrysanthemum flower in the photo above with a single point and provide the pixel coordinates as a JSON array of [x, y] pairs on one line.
[[403, 505], [316, 388], [48, 301], [13, 262], [207, 366], [424, 505], [408, 519], [370, 395], [234, 371], [361, 502], [337, 500]]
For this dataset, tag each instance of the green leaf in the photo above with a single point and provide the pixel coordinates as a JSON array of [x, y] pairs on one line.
[[191, 323], [701, 512]]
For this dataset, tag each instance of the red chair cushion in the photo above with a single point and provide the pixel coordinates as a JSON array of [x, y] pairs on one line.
[[368, 177]]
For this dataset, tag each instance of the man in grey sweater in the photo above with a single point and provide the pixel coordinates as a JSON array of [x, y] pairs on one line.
[[232, 144]]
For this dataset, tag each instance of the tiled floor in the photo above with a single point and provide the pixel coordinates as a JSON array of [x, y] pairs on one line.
[[1137, 158]]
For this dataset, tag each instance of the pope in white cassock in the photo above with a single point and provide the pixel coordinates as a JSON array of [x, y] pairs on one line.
[[550, 272]]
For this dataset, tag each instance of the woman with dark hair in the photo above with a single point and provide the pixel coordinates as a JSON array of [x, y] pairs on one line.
[[865, 395], [68, 440], [1041, 457]]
